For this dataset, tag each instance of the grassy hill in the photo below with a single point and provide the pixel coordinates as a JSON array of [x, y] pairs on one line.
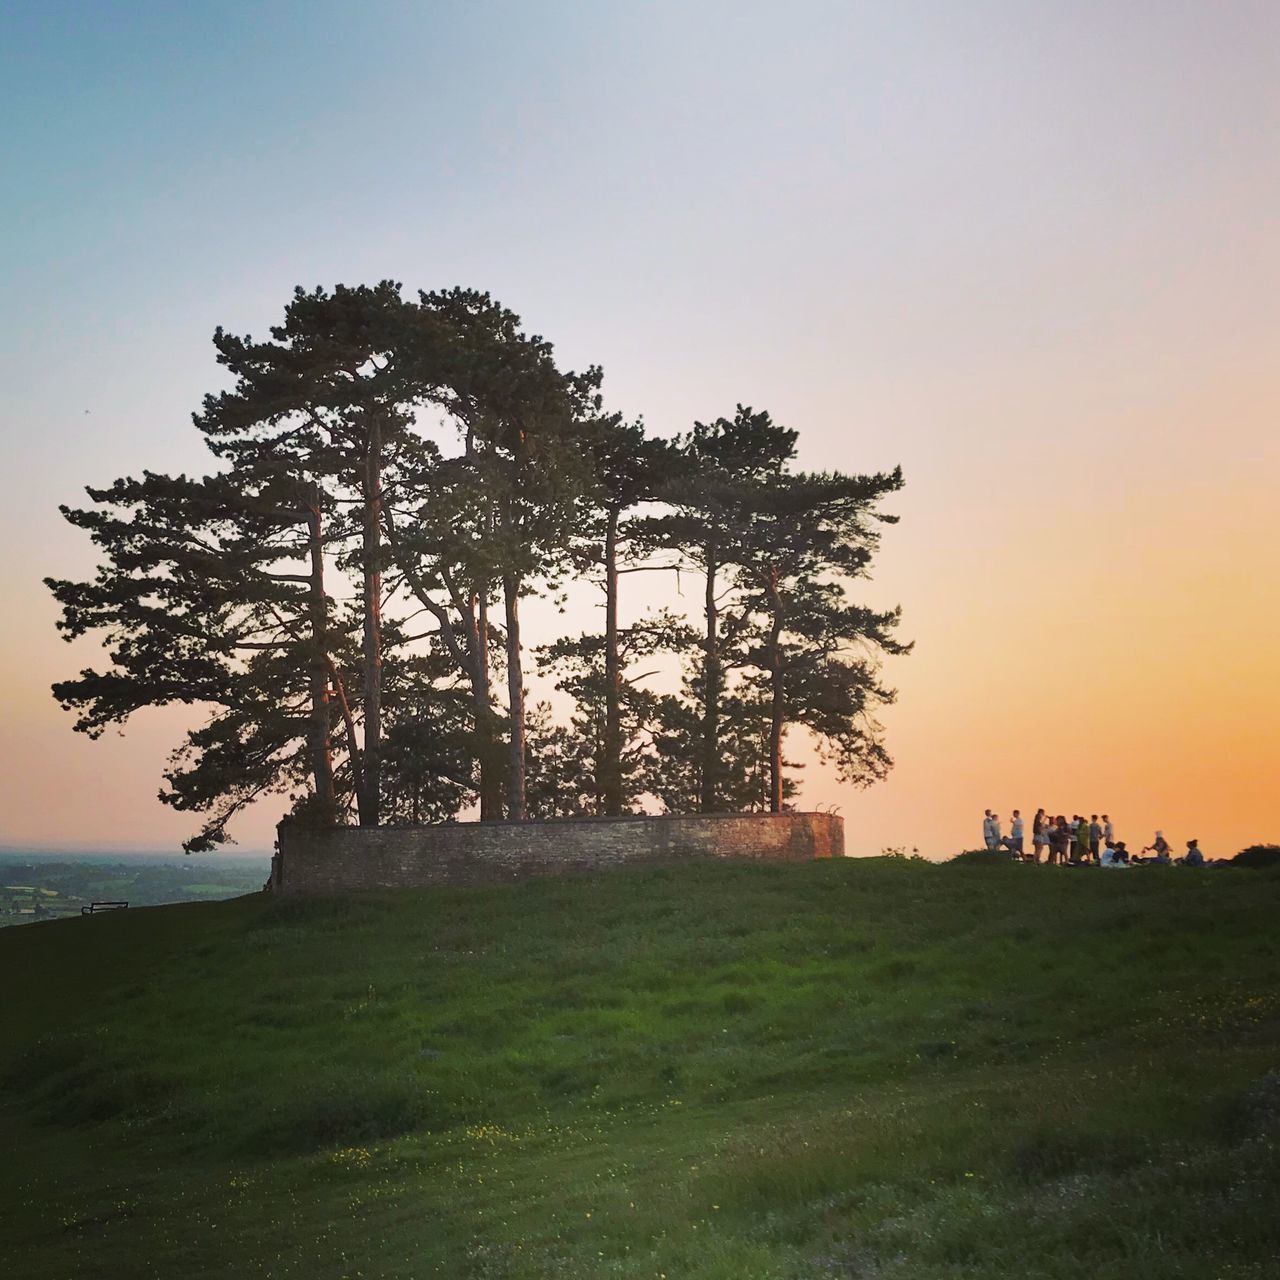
[[865, 1069]]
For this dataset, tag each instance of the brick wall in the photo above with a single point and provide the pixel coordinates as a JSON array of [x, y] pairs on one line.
[[346, 858]]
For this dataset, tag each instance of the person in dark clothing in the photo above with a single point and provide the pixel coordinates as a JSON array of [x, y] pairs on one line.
[[1060, 839]]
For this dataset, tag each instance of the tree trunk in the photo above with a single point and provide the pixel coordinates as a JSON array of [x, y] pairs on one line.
[[353, 751], [488, 736], [778, 703], [609, 774], [515, 698], [708, 798], [372, 565], [318, 617]]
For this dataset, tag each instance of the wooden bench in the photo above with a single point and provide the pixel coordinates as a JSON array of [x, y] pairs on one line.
[[95, 907]]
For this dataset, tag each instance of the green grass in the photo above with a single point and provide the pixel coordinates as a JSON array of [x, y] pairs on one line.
[[205, 890], [873, 1069]]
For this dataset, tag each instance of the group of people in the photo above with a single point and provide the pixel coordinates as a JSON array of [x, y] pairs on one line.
[[1079, 841]]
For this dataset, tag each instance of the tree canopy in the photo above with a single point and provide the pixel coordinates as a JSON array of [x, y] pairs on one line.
[[392, 478]]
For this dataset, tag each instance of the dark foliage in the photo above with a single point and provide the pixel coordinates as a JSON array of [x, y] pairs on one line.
[[398, 477], [1257, 856]]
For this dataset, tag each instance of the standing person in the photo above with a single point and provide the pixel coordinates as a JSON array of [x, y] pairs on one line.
[[997, 836], [1095, 836], [1081, 851], [1060, 839], [1108, 831], [989, 829], [1015, 834], [1039, 834]]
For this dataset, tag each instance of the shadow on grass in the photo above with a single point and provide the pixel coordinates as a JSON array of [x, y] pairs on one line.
[[68, 1081], [347, 1110]]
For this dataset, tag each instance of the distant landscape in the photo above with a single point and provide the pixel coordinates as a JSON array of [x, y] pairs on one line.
[[45, 886]]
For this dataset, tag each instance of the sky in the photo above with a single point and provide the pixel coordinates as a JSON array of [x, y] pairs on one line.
[[1029, 252]]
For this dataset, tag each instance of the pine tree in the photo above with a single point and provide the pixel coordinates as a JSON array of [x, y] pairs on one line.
[[630, 469], [523, 467], [199, 603], [431, 453], [781, 642], [437, 522], [806, 541], [329, 397], [722, 465]]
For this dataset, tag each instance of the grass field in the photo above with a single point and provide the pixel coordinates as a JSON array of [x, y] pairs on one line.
[[863, 1068]]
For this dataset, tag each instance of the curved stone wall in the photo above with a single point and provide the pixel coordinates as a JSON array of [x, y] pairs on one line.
[[349, 858]]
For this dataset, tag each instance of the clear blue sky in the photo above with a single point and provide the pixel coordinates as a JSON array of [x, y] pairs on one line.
[[1029, 251]]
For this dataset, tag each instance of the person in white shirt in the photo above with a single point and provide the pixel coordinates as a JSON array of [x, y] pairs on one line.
[[1113, 856], [1108, 831], [1015, 834], [1095, 836]]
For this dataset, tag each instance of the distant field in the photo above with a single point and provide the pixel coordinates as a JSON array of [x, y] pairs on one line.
[[869, 1068], [63, 885]]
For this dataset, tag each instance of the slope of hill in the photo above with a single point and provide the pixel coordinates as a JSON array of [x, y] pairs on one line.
[[861, 1068]]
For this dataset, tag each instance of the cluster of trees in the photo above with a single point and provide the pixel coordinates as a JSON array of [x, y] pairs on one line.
[[395, 478]]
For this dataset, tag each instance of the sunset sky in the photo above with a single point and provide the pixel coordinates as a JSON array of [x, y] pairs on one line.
[[1029, 251]]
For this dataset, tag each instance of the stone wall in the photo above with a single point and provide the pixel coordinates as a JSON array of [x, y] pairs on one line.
[[346, 858]]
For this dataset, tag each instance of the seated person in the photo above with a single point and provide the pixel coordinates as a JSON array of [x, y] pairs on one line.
[[1193, 857], [1160, 848], [1114, 855]]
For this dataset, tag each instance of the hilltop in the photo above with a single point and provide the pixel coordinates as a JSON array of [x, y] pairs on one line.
[[858, 1068]]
